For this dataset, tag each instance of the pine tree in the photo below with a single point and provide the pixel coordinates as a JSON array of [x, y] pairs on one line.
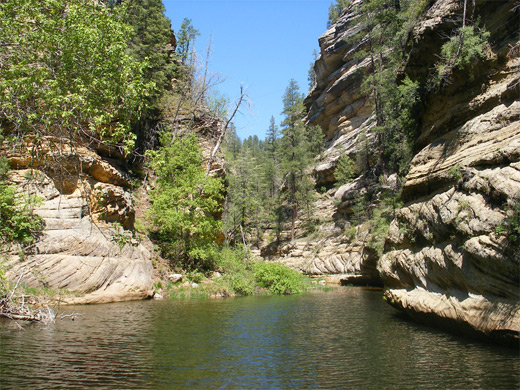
[[186, 41], [384, 26], [335, 10], [272, 159], [152, 40], [296, 157]]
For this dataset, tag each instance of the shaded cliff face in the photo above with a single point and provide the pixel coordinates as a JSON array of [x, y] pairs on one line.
[[345, 115], [335, 103], [444, 261]]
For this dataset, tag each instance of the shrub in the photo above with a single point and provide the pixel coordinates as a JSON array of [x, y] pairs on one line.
[[345, 171], [18, 224], [511, 228], [66, 70], [462, 50], [278, 278], [238, 272], [185, 202]]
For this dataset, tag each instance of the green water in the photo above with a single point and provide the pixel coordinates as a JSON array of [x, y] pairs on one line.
[[344, 339]]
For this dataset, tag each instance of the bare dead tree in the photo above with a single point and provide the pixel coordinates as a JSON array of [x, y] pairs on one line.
[[243, 96]]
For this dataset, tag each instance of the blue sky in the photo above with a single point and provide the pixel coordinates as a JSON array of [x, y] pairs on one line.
[[260, 44]]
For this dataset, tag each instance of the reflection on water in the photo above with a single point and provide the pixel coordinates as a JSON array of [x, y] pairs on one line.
[[347, 338]]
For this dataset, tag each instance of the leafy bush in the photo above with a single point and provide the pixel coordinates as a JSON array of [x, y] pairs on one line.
[[238, 271], [4, 284], [511, 228], [462, 50], [184, 203], [66, 69], [456, 172], [18, 224], [382, 217], [278, 278]]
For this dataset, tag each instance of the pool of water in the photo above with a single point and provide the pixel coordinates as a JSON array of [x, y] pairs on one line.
[[347, 338]]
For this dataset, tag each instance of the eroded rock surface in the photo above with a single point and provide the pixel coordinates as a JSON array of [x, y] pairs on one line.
[[80, 250], [446, 263], [337, 106]]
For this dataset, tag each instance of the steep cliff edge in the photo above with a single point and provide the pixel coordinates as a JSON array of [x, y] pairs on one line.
[[336, 104], [444, 260]]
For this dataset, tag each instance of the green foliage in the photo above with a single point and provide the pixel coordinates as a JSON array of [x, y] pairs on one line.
[[4, 284], [456, 172], [398, 132], [4, 166], [151, 40], [345, 171], [65, 71], [123, 237], [269, 180], [461, 51], [335, 11], [246, 205], [185, 203], [186, 40], [384, 27], [237, 269], [278, 278], [382, 216], [511, 228], [18, 224], [350, 233], [297, 154]]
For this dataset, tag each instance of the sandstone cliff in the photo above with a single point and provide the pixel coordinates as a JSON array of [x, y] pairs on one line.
[[336, 104], [81, 251], [444, 261], [89, 248]]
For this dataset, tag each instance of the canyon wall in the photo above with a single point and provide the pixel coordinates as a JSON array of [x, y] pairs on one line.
[[89, 249], [446, 258], [80, 251]]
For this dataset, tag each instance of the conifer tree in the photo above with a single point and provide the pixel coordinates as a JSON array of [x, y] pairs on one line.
[[272, 159], [152, 40], [384, 26], [296, 157], [186, 41]]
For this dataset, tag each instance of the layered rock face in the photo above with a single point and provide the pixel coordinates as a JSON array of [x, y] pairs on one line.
[[335, 103], [337, 106], [80, 250], [444, 260], [328, 253]]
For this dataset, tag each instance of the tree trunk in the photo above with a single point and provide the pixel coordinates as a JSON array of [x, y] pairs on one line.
[[293, 220]]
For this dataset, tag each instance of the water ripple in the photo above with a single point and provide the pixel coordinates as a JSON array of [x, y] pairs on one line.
[[347, 338]]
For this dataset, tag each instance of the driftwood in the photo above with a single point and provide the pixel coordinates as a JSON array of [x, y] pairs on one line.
[[16, 307]]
